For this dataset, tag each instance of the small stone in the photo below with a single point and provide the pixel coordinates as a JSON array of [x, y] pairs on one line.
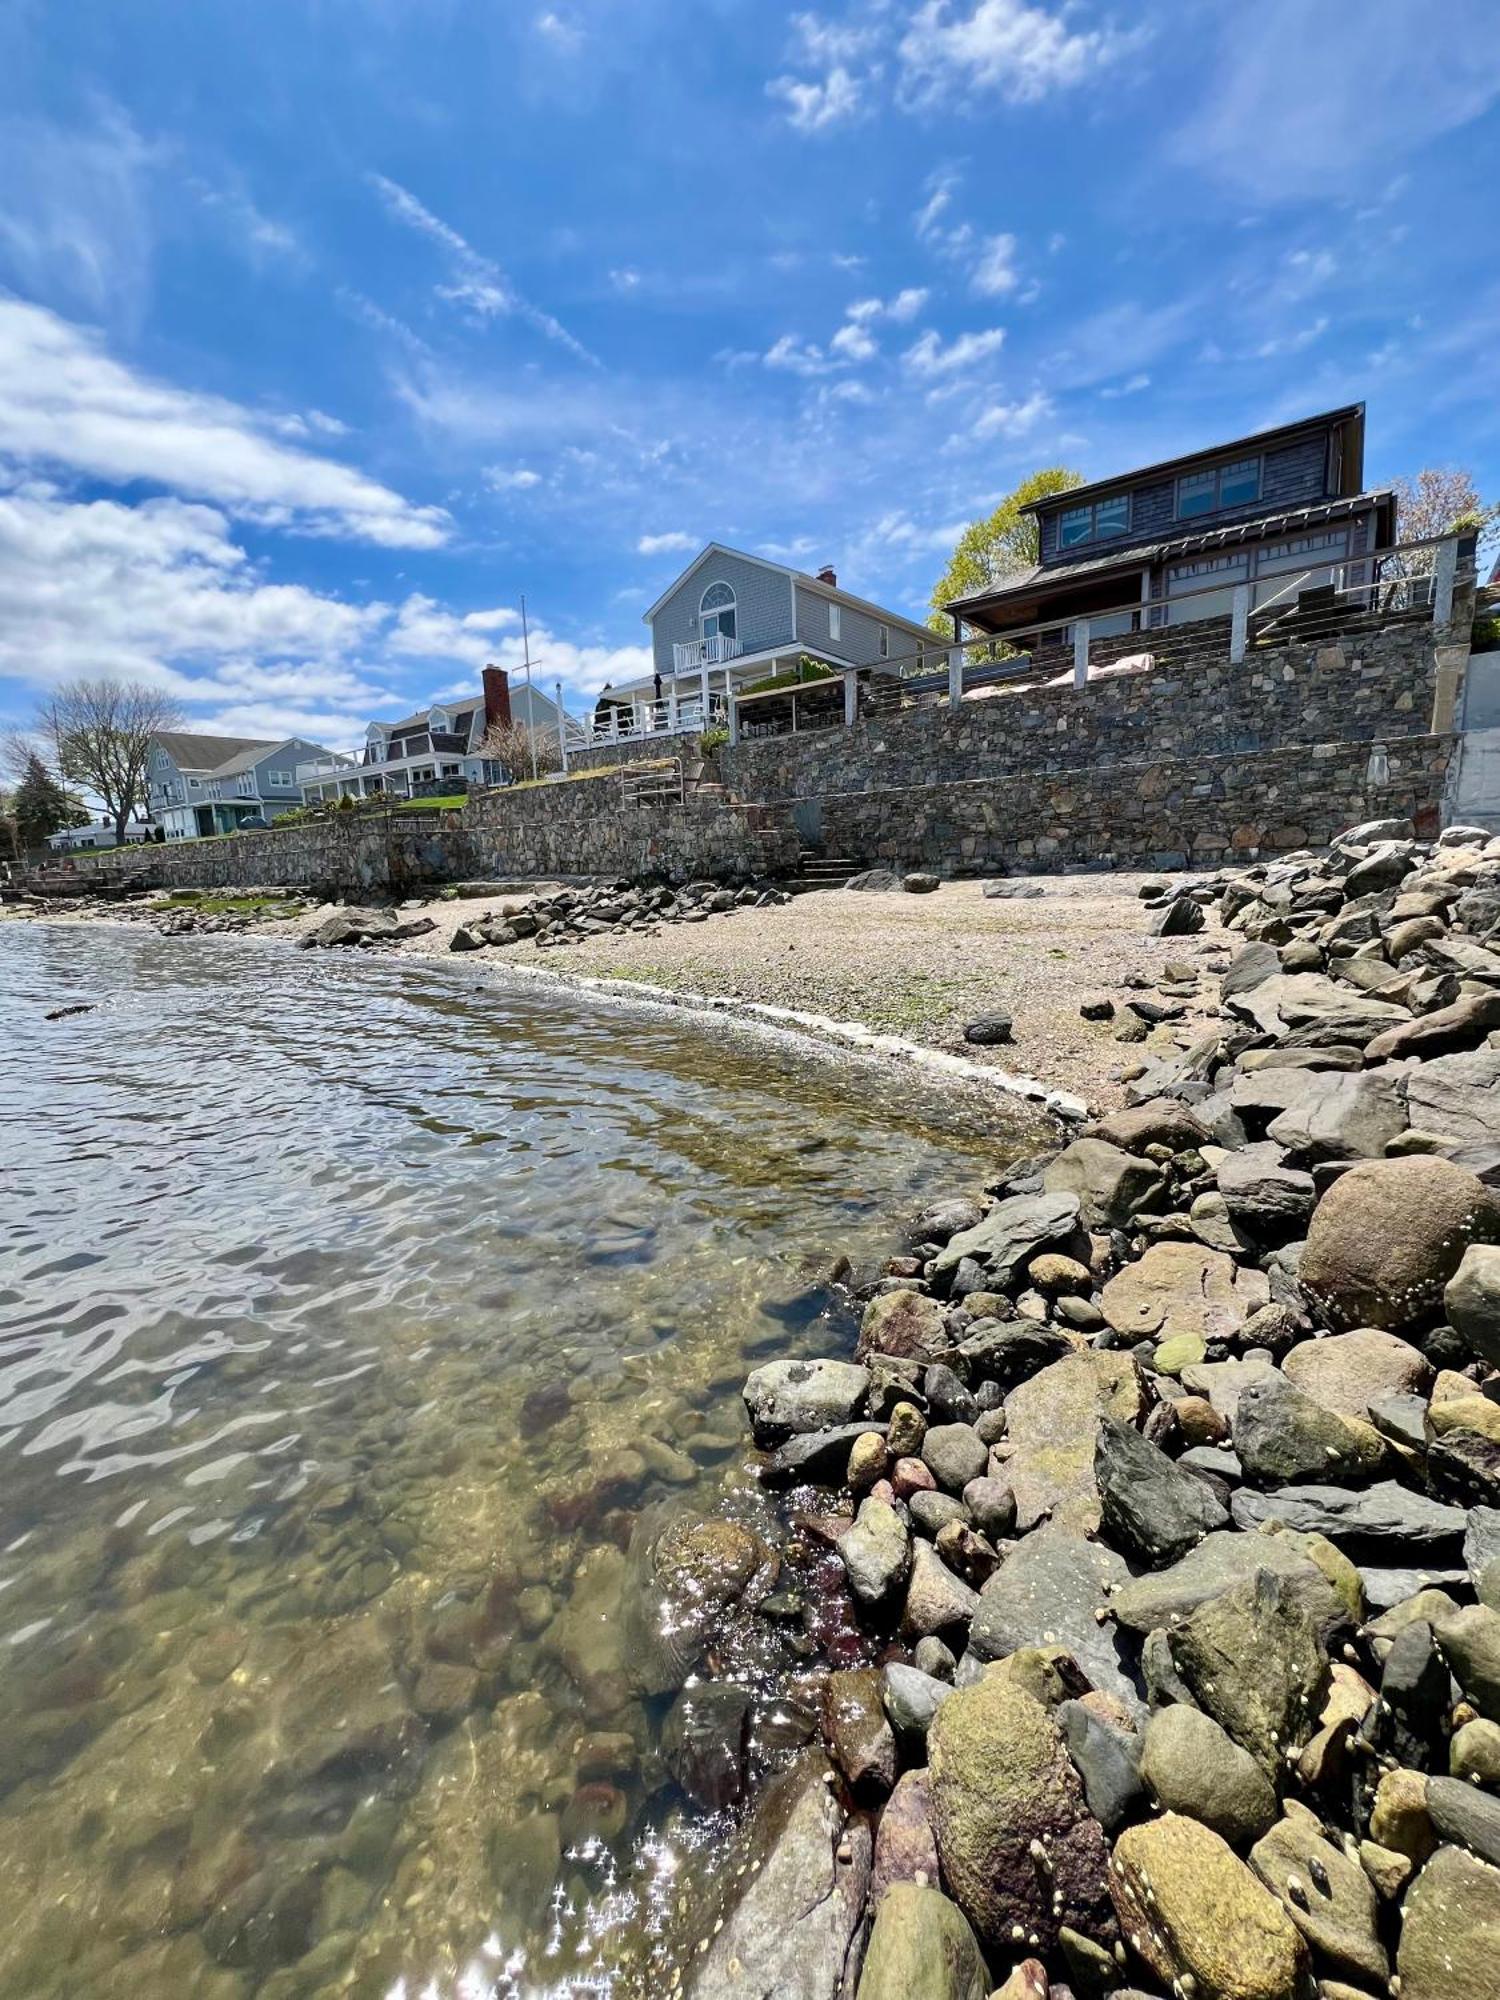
[[1199, 1918], [906, 1431], [876, 1553], [1192, 1766], [988, 1030], [869, 1460]]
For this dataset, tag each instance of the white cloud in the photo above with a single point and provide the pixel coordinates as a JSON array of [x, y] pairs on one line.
[[928, 356], [511, 478], [1023, 52], [1293, 342], [625, 280], [1132, 387], [902, 308], [479, 285], [64, 403], [818, 104], [674, 541], [75, 223], [796, 356], [995, 272], [424, 629], [853, 342], [561, 33], [1012, 420]]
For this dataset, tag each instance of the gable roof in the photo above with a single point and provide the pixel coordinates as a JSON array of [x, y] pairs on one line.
[[813, 583], [1352, 413], [190, 752]]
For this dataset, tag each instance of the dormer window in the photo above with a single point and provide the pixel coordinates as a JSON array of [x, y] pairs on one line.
[[436, 719], [1098, 523], [716, 612], [1236, 484]]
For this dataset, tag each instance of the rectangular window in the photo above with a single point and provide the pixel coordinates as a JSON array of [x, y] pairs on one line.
[[1075, 525], [835, 621], [885, 642], [1112, 517], [1236, 484]]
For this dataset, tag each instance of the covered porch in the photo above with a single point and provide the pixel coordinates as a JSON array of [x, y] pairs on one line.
[[699, 696]]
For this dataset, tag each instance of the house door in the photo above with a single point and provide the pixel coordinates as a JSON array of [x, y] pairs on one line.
[[1474, 777], [807, 817]]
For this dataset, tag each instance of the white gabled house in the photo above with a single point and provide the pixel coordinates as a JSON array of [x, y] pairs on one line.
[[732, 620]]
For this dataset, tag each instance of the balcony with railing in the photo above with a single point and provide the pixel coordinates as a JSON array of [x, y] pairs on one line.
[[642, 719], [694, 654]]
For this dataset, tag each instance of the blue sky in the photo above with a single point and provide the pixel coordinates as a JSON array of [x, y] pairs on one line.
[[327, 329]]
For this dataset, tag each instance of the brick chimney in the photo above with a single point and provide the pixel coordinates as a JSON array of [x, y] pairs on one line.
[[829, 575], [496, 698]]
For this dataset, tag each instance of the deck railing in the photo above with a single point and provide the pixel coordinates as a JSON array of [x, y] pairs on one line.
[[691, 654], [675, 716], [1410, 582]]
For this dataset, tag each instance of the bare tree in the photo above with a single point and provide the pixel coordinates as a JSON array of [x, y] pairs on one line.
[[99, 733], [525, 752]]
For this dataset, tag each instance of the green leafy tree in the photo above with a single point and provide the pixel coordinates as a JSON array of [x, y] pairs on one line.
[[41, 806], [1002, 544]]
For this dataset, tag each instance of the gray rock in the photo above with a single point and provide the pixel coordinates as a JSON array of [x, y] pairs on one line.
[[1337, 1116], [1106, 1758], [917, 883], [1463, 1025], [948, 1401], [794, 1897], [876, 1552], [1470, 1641], [937, 1601], [1010, 891], [1191, 1765], [1282, 1435], [912, 1699], [1049, 1592], [1051, 1422], [1219, 1562], [1149, 1506], [905, 1845], [954, 1454], [1011, 1351], [1466, 1816], [1384, 1517], [1450, 1932], [904, 1324], [1471, 1300], [1006, 1240], [1330, 1898], [1458, 1096], [933, 1511], [1111, 1184], [703, 1742], [1181, 918], [921, 1948], [1262, 1195], [1384, 1588], [1254, 1661], [819, 1456], [873, 881], [989, 1030], [992, 1507], [858, 1735], [789, 1398]]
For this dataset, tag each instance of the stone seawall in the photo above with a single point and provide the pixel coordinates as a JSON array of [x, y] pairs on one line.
[[1373, 686], [1168, 813], [556, 830]]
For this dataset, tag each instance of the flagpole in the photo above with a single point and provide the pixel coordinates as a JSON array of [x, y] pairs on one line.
[[530, 715]]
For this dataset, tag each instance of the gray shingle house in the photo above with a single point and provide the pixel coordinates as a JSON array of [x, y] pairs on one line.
[[1277, 512], [732, 620], [199, 785]]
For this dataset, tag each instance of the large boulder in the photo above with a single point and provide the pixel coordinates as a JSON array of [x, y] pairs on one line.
[[1219, 1562], [1457, 1096], [1055, 1588], [903, 1323], [1450, 1934], [1447, 1030], [1281, 1435], [1051, 1423], [1387, 1237], [1253, 1659], [1375, 1520], [786, 1398], [1183, 1288], [1349, 1371], [921, 1948], [1111, 1185], [1006, 1240], [1001, 1783], [793, 1897], [1195, 1913], [1160, 1121], [1333, 1115]]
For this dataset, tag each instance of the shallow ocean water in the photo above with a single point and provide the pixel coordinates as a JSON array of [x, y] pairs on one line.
[[350, 1314]]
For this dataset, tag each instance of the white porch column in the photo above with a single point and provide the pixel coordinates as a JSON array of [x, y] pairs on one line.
[[562, 727], [734, 716], [672, 706], [955, 676], [1239, 625], [1080, 652], [704, 695], [1442, 581], [614, 724], [851, 698]]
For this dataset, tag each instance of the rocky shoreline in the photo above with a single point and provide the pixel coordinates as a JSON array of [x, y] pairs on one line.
[[1164, 1482]]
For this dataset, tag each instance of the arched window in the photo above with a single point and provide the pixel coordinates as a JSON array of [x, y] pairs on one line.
[[716, 611]]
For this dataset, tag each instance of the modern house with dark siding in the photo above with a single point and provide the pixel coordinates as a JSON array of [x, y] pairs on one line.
[[1278, 511]]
